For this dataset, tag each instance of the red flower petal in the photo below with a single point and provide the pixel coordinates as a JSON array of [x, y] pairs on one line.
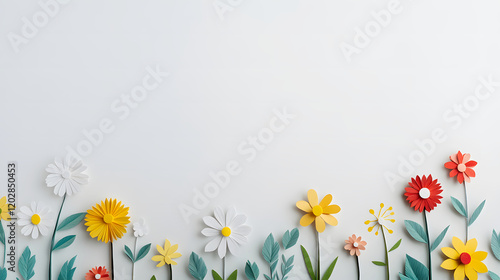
[[460, 177], [470, 172], [471, 163], [460, 157], [453, 173], [450, 165]]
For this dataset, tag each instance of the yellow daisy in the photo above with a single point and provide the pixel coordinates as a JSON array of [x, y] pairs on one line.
[[107, 221], [166, 254], [464, 259], [381, 219], [318, 212], [4, 209]]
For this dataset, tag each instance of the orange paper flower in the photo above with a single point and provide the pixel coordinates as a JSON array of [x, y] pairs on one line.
[[97, 273], [354, 245], [423, 194], [461, 166], [318, 212]]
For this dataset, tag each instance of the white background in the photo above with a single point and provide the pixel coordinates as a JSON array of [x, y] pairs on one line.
[[354, 121]]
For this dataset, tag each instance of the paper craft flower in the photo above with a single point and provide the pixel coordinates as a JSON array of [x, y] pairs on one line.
[[318, 212], [461, 166], [228, 231], [66, 177], [423, 194], [107, 221], [464, 259], [34, 220], [140, 228], [97, 273], [354, 244], [381, 219], [167, 253], [4, 209]]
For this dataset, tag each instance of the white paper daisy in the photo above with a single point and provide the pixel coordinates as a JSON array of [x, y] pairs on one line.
[[140, 228], [66, 177], [35, 220], [228, 231]]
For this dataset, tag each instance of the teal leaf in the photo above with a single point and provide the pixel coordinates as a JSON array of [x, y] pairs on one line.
[[64, 242], [290, 238], [143, 252], [71, 221], [416, 231], [396, 245], [476, 212], [415, 269], [27, 264], [493, 275], [458, 206], [3, 273], [329, 271], [495, 244], [273, 266], [2, 234], [252, 271], [379, 263], [307, 261], [216, 275], [270, 250], [403, 277], [67, 270], [233, 275], [197, 267], [439, 239], [286, 266], [129, 253]]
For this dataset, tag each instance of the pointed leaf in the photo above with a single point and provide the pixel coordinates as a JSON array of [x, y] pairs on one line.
[[307, 261], [290, 238], [67, 270], [493, 275], [403, 277], [233, 275], [197, 267], [64, 242], [216, 275], [476, 212], [3, 273], [495, 244], [416, 231], [153, 278], [71, 221], [27, 264], [271, 249], [458, 206], [329, 271], [416, 269], [129, 253], [396, 245], [379, 263], [143, 252], [251, 271], [439, 239]]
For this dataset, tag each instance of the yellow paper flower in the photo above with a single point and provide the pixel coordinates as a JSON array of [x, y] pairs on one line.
[[464, 259], [107, 221], [318, 212], [166, 254], [381, 219], [4, 209]]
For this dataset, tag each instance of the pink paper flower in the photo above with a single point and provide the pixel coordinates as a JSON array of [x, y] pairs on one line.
[[461, 166], [354, 245]]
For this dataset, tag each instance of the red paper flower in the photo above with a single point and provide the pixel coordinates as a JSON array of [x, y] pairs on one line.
[[423, 193], [97, 273], [461, 166]]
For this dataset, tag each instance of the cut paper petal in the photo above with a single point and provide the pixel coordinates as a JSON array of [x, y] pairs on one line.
[[166, 254], [107, 221], [461, 166], [34, 220], [319, 213], [67, 177], [464, 259]]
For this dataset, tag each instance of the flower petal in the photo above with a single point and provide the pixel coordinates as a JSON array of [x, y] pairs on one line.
[[212, 222], [459, 272], [210, 232], [450, 264], [312, 196], [219, 216], [213, 244], [471, 246], [479, 266], [320, 224], [479, 256], [304, 206], [332, 209], [470, 272], [222, 248], [331, 220], [306, 220], [459, 245], [326, 201], [450, 253]]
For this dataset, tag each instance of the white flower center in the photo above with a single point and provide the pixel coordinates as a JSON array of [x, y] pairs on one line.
[[355, 244], [461, 167], [424, 193], [380, 221], [97, 276], [66, 174]]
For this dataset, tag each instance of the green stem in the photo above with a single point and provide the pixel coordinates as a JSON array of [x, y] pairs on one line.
[[428, 244], [319, 256], [386, 254], [170, 271], [112, 260], [359, 270], [466, 215], [54, 237]]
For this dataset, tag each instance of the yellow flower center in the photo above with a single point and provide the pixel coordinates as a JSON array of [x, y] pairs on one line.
[[317, 210], [108, 218], [226, 231], [35, 219]]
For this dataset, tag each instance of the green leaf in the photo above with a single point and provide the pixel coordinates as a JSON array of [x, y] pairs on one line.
[[67, 270], [3, 273], [2, 234], [197, 267], [64, 242], [476, 212], [493, 275], [416, 231], [271, 249], [143, 252], [403, 277], [286, 266], [290, 238], [153, 278], [252, 271], [439, 239], [71, 221], [458, 206], [27, 264], [396, 245], [495, 244], [233, 275], [379, 263], [329, 271], [415, 269], [129, 253], [216, 275], [307, 261]]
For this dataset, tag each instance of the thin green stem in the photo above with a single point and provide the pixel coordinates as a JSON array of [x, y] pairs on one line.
[[428, 244], [133, 262], [319, 256], [170, 271], [466, 215], [359, 270], [54, 237], [386, 254]]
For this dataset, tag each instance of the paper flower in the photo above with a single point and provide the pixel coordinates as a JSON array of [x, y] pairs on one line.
[[34, 220], [381, 219], [167, 253], [318, 212], [97, 273], [4, 209], [140, 228], [66, 177], [107, 221], [464, 259], [354, 244], [228, 231], [461, 166], [423, 194]]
